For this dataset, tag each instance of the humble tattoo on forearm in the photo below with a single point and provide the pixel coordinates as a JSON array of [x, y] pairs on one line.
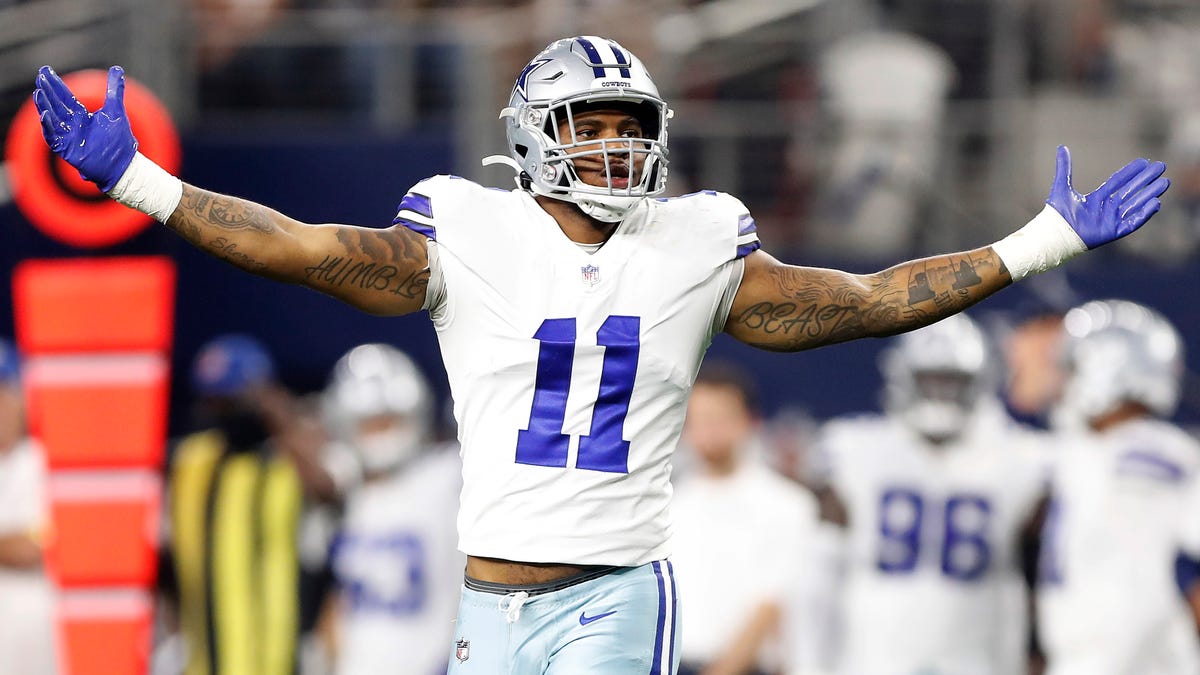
[[337, 271], [362, 258], [404, 249]]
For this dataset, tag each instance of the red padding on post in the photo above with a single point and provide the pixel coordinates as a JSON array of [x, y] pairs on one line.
[[107, 411], [90, 305], [105, 632], [105, 530]]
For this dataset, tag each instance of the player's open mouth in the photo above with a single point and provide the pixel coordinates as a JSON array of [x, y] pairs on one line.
[[618, 175]]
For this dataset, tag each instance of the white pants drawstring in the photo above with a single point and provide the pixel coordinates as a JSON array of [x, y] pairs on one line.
[[511, 605]]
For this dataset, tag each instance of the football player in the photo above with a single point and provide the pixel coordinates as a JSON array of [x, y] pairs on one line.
[[572, 314], [936, 493], [395, 559], [1107, 602]]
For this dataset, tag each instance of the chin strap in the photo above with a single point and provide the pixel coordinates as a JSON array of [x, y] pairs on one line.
[[605, 213]]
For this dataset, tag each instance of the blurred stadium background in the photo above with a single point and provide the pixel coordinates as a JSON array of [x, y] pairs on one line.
[[859, 132]]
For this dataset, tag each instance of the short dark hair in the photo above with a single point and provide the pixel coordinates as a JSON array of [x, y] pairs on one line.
[[730, 376]]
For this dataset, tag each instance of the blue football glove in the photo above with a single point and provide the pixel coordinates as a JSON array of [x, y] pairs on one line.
[[1119, 206], [99, 145]]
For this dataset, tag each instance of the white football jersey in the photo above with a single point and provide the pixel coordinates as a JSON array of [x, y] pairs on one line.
[[570, 371], [398, 571], [933, 582], [1107, 599]]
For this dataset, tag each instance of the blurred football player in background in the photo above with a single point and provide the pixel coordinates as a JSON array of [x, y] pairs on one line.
[[573, 313], [395, 559], [936, 493], [27, 640], [741, 532], [236, 491], [1107, 602]]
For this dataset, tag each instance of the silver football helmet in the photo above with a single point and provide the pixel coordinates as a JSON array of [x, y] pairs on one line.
[[1118, 351], [380, 404], [934, 377], [571, 76]]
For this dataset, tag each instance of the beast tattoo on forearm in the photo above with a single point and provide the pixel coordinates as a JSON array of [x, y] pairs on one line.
[[813, 309]]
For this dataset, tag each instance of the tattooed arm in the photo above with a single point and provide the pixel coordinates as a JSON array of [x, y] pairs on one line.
[[787, 308], [382, 271], [379, 271]]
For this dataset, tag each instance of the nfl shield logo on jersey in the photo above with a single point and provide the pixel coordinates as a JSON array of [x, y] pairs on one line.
[[591, 274], [462, 650]]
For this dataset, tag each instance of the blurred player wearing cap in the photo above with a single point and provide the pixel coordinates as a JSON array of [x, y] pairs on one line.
[[573, 313], [235, 498], [27, 643]]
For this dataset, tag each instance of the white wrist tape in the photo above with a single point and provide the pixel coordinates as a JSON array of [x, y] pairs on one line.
[[1044, 243], [147, 187]]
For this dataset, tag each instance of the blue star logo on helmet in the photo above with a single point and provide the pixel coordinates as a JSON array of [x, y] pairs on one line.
[[523, 78]]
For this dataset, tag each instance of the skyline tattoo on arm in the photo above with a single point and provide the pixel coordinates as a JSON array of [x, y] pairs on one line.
[[811, 308]]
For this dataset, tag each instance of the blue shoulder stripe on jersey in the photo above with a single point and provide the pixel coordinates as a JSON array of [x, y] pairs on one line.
[[1149, 465], [746, 225], [420, 228], [593, 55], [417, 203], [746, 249]]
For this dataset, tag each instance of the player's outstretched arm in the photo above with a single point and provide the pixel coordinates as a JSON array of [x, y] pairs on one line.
[[382, 271], [787, 308]]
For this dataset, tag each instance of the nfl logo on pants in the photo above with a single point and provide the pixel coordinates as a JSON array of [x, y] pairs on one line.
[[462, 650]]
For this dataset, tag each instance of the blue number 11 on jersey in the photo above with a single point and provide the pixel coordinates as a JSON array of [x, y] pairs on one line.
[[543, 443]]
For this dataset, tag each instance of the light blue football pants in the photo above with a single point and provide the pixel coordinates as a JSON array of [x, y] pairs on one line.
[[622, 623]]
